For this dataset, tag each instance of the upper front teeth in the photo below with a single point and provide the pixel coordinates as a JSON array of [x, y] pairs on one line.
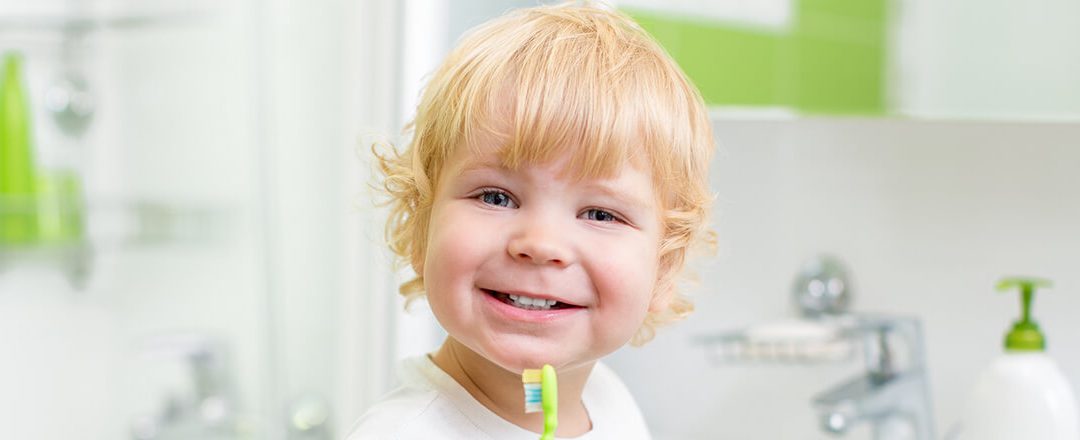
[[535, 302]]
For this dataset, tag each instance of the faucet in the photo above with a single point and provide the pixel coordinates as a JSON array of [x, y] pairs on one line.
[[892, 395], [207, 408]]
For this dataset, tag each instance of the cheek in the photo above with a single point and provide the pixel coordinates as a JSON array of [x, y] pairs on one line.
[[626, 275], [455, 248], [625, 281]]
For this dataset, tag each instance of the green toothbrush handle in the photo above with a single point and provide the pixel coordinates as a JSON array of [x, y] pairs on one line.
[[549, 401]]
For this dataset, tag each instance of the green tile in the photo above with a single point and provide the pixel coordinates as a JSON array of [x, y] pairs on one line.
[[875, 10], [831, 60], [732, 67], [840, 28], [729, 66], [837, 78]]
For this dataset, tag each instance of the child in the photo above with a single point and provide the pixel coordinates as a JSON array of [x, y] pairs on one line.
[[556, 178]]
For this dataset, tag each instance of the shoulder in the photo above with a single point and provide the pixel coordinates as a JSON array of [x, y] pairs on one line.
[[606, 382], [615, 411], [398, 409], [414, 415], [418, 409]]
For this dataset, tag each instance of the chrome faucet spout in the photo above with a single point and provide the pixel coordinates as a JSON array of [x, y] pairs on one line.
[[869, 398], [893, 398]]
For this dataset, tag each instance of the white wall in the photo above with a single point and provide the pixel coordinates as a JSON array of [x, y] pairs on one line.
[[928, 216], [987, 59]]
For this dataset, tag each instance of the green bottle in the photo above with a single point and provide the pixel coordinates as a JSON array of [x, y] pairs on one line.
[[58, 198], [18, 218]]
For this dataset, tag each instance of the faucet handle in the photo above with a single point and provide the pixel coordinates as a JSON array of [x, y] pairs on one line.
[[890, 344], [201, 398], [204, 356], [879, 356]]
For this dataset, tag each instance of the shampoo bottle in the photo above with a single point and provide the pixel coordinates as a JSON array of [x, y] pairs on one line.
[[1022, 395]]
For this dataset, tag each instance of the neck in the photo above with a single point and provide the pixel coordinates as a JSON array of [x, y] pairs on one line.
[[500, 390]]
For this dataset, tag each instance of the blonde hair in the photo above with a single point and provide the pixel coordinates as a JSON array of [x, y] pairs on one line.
[[561, 81]]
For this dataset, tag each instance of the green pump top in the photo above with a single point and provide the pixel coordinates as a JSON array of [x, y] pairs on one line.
[[1025, 334]]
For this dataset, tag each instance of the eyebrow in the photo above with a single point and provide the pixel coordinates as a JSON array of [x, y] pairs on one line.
[[473, 165], [621, 197]]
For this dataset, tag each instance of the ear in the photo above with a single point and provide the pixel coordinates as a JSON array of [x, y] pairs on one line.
[[661, 299], [418, 266]]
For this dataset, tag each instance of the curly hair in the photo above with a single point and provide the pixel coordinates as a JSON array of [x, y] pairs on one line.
[[574, 81]]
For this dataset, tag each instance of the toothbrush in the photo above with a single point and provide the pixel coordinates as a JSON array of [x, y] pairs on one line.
[[541, 394]]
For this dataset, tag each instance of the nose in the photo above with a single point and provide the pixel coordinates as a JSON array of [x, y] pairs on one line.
[[542, 244]]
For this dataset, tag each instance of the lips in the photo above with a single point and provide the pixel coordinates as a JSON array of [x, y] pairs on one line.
[[530, 301]]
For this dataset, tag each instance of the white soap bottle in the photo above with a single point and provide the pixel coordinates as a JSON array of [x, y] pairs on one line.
[[1023, 395]]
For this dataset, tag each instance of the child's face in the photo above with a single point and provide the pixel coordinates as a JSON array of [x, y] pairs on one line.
[[592, 245]]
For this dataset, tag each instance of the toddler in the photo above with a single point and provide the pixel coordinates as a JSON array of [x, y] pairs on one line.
[[555, 180]]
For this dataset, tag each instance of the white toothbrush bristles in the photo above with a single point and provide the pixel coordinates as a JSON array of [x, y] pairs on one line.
[[532, 398]]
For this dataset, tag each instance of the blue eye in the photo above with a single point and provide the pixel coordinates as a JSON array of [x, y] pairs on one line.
[[497, 198], [600, 215]]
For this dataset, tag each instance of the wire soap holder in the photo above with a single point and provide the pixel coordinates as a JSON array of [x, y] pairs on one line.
[[892, 395], [796, 341]]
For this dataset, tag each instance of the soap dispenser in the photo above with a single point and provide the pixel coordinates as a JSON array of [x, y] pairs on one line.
[[1022, 395]]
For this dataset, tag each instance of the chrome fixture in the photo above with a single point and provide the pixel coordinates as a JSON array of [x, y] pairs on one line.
[[893, 393], [822, 287], [69, 99], [207, 411], [70, 103]]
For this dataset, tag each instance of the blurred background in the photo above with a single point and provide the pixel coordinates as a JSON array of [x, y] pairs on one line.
[[189, 246]]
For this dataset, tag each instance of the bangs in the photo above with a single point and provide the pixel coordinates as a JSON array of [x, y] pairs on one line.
[[596, 96], [551, 107]]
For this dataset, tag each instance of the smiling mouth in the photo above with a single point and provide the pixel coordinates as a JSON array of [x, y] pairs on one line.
[[527, 303]]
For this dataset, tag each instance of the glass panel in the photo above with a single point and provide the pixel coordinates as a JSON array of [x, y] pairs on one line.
[[190, 210], [143, 315]]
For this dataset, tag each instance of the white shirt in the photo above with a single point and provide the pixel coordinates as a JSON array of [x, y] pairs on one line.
[[432, 405]]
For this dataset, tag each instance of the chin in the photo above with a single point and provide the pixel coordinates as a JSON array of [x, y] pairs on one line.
[[517, 360]]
